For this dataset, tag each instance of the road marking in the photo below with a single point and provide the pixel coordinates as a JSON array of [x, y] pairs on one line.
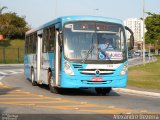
[[23, 95], [83, 103], [111, 111], [17, 90], [27, 99], [10, 72], [7, 87], [111, 107], [31, 102], [3, 73], [64, 107], [11, 92]]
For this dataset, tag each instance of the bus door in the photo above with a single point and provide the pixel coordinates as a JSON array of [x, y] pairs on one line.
[[39, 56], [57, 58]]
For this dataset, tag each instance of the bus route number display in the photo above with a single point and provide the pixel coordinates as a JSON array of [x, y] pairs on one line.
[[96, 26]]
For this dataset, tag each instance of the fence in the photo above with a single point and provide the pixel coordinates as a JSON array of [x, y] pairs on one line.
[[11, 55]]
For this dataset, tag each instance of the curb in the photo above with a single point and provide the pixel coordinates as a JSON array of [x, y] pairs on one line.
[[1, 65], [125, 90]]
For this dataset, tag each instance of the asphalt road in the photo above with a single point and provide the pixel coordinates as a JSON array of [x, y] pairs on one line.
[[18, 96]]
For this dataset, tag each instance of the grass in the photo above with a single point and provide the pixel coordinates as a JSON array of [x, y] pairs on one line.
[[147, 76], [11, 51]]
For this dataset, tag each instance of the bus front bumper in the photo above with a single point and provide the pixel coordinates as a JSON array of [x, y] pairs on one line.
[[88, 81]]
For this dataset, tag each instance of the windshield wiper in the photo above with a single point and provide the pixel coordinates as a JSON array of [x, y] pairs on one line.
[[91, 49], [88, 53]]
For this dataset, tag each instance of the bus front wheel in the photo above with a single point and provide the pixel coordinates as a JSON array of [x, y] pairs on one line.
[[103, 91]]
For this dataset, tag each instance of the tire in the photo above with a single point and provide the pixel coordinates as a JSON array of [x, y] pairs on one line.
[[52, 88], [103, 91], [34, 83]]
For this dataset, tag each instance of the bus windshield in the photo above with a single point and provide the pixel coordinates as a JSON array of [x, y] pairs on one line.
[[94, 41]]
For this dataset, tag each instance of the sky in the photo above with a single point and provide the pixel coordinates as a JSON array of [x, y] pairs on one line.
[[38, 12]]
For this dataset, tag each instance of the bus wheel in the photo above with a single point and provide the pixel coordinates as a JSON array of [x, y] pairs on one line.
[[102, 91], [34, 83], [52, 88]]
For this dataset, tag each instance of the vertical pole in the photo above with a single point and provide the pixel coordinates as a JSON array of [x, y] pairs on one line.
[[4, 55], [143, 32], [149, 52], [18, 55]]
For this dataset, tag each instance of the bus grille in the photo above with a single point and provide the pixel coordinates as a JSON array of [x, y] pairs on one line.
[[77, 66], [94, 71]]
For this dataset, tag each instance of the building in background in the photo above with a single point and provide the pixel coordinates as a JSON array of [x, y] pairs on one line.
[[136, 25]]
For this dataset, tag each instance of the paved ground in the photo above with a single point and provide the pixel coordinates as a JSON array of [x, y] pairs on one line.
[[18, 96]]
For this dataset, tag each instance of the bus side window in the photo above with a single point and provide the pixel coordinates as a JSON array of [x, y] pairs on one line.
[[48, 39], [51, 38], [30, 44], [26, 44], [34, 42], [45, 40]]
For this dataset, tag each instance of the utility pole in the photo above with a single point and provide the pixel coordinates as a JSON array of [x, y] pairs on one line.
[[144, 32]]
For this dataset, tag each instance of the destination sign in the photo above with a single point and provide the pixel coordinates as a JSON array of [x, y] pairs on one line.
[[96, 26]]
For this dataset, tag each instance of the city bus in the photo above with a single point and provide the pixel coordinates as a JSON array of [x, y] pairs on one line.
[[66, 53]]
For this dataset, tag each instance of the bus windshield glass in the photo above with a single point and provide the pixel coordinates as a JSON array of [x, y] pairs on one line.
[[94, 41]]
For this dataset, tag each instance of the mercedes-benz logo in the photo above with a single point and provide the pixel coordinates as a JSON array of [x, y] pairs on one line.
[[97, 72]]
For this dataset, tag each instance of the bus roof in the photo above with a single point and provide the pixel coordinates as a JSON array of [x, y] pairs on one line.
[[66, 19]]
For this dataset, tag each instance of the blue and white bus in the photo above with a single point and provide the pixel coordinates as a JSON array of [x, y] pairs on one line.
[[67, 53]]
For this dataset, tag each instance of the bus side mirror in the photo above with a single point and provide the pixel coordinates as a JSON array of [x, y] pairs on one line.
[[131, 39], [60, 39], [131, 42]]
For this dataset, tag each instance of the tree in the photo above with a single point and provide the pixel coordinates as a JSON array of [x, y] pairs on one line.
[[2, 8], [12, 25], [153, 28]]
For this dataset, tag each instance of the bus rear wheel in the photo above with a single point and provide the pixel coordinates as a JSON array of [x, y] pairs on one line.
[[103, 91], [34, 83], [52, 88]]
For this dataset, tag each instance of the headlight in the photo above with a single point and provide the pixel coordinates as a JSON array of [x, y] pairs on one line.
[[124, 70], [67, 68]]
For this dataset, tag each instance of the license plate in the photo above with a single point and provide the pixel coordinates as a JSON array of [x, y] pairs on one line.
[[97, 79]]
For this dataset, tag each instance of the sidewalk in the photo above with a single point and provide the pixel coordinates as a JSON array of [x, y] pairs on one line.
[[143, 89], [138, 91]]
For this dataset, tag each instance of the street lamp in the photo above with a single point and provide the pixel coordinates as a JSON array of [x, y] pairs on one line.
[[96, 11], [143, 32]]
